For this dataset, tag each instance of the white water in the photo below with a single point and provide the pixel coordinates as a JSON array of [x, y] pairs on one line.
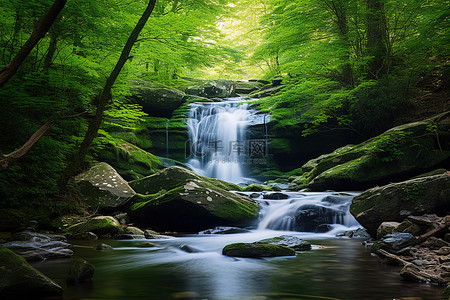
[[217, 132]]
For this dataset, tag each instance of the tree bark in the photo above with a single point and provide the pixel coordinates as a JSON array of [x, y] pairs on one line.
[[103, 99], [39, 32], [7, 159], [376, 38]]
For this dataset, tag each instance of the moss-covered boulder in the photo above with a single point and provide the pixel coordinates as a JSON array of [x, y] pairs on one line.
[[257, 188], [156, 100], [130, 161], [394, 202], [193, 206], [255, 250], [172, 177], [288, 241], [398, 154], [98, 225], [246, 87], [18, 280], [102, 186]]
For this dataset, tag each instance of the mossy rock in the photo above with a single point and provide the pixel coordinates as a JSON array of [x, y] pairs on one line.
[[195, 205], [396, 155], [19, 280], [288, 241], [393, 202], [98, 225], [172, 177], [257, 188], [102, 186], [256, 250], [80, 271], [130, 161]]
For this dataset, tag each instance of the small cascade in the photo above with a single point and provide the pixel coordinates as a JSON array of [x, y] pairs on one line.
[[217, 134], [307, 212]]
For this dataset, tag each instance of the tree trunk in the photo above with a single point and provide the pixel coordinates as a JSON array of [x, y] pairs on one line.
[[7, 159], [376, 38], [102, 100], [39, 32]]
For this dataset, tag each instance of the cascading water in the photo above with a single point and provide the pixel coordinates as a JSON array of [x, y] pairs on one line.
[[217, 132], [306, 212]]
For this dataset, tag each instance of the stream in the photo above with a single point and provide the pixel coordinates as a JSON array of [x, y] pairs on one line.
[[335, 268]]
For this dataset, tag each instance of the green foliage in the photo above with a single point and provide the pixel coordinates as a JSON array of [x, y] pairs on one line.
[[387, 145]]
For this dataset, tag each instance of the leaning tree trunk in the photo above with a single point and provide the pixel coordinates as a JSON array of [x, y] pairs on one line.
[[39, 32], [103, 99]]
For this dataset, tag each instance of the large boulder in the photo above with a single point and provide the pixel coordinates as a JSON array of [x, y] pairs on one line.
[[18, 280], [98, 225], [193, 206], [172, 177], [157, 100], [212, 89], [255, 250], [288, 241], [398, 154], [394, 202], [102, 186]]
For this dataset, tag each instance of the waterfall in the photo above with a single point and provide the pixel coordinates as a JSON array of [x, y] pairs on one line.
[[217, 134], [307, 212]]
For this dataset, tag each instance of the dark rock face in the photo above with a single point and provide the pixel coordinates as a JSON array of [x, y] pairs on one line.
[[157, 100], [275, 196], [212, 89], [18, 280], [397, 240], [192, 207], [246, 87], [394, 202], [255, 250]]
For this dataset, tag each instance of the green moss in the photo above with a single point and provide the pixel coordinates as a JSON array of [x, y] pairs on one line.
[[254, 250], [257, 188], [412, 191], [97, 225]]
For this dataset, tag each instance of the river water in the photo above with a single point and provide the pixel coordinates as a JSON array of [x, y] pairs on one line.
[[336, 268]]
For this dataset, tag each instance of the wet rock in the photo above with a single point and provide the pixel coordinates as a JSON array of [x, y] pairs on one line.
[[397, 240], [36, 237], [322, 228], [192, 207], [255, 250], [444, 259], [157, 100], [153, 235], [359, 233], [146, 245], [426, 195], [85, 236], [103, 246], [386, 228], [317, 218], [134, 230], [18, 280], [102, 186], [99, 225], [412, 272], [288, 241], [224, 230], [212, 89], [246, 87], [275, 196], [254, 195], [40, 247], [188, 249], [80, 271], [173, 177]]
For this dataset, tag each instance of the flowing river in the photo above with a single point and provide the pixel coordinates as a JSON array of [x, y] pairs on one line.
[[336, 268]]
